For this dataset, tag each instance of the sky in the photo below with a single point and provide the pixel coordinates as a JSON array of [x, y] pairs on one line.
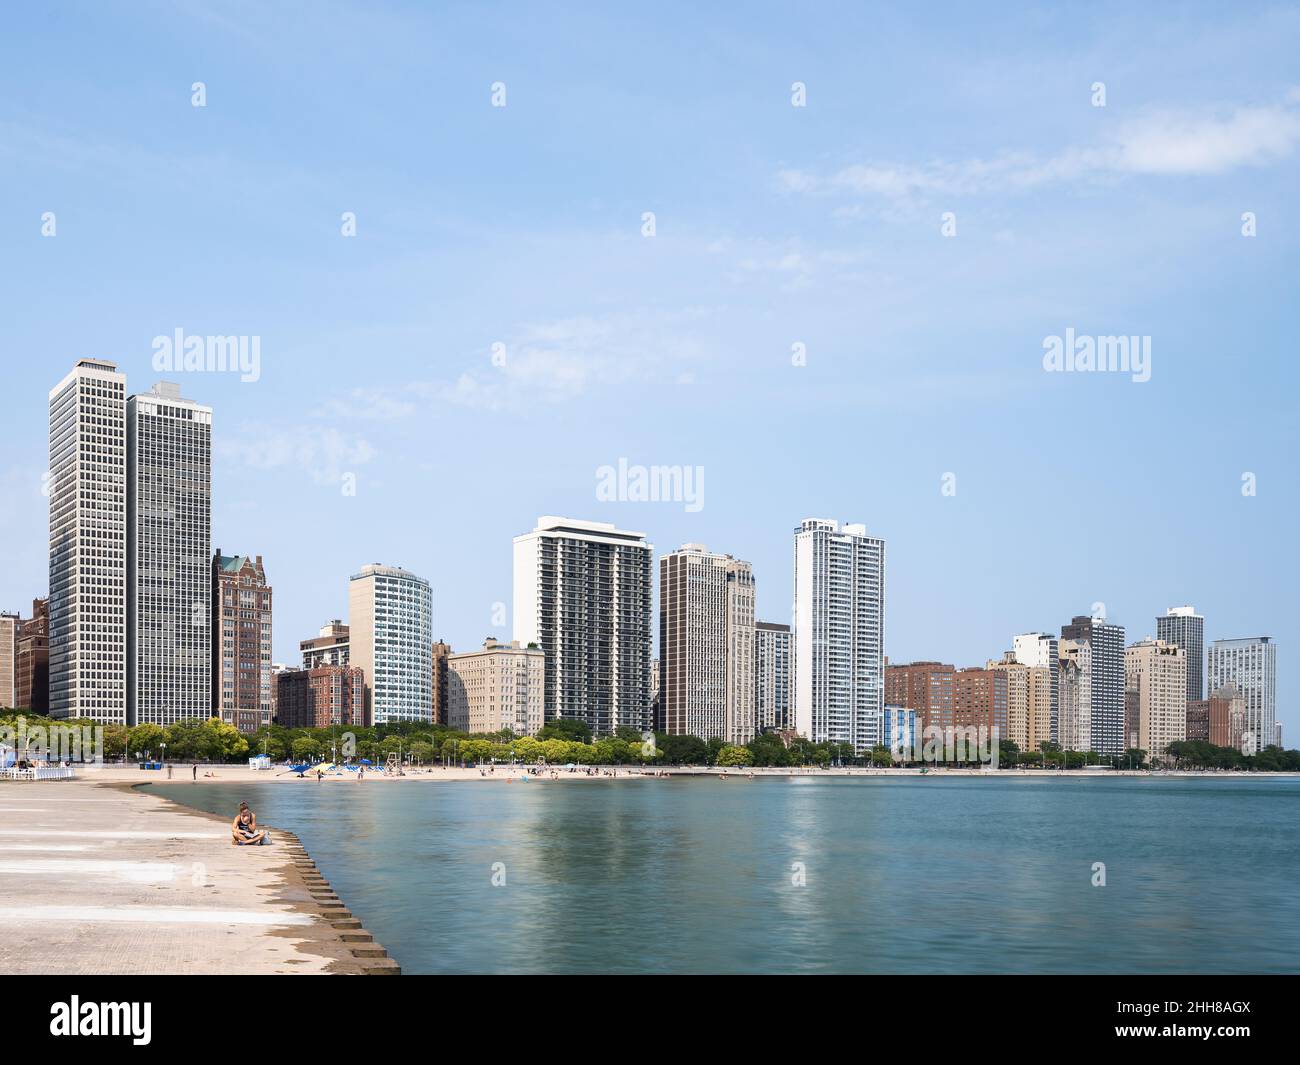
[[841, 312]]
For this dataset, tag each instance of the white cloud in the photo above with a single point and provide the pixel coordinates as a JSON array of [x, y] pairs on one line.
[[1160, 142], [323, 452]]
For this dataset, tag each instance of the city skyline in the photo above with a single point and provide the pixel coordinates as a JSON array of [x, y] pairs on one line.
[[815, 226]]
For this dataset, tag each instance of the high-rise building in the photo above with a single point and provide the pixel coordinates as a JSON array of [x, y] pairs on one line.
[[88, 544], [243, 693], [1030, 692], [1183, 627], [772, 676], [1074, 695], [441, 652], [839, 633], [1198, 720], [1156, 679], [1106, 683], [32, 660], [320, 697], [9, 626], [497, 688], [329, 648], [926, 687], [1252, 665], [706, 645], [390, 623], [169, 550], [583, 593], [1042, 650]]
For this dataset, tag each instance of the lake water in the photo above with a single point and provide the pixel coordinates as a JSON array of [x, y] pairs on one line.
[[899, 875]]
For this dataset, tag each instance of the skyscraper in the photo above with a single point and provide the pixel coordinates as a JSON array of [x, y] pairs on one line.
[[87, 490], [169, 552], [390, 624], [243, 694], [1156, 676], [9, 627], [706, 644], [772, 675], [1106, 683], [583, 593], [1251, 664], [1183, 627], [1074, 695], [1042, 650], [839, 631], [1029, 701]]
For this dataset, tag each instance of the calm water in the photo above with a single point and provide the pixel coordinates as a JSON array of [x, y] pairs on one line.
[[907, 875]]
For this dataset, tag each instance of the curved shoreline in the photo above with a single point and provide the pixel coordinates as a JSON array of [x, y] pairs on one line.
[[367, 957], [102, 877]]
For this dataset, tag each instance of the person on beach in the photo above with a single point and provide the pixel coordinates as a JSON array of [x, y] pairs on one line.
[[244, 831], [195, 767]]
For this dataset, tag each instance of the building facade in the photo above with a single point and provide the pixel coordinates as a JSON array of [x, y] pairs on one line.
[[501, 687], [329, 648], [9, 626], [1041, 650], [441, 652], [88, 544], [1156, 679], [1250, 664], [1074, 695], [169, 548], [773, 665], [243, 692], [32, 660], [322, 697], [583, 593], [1226, 711], [1030, 695], [839, 632], [1183, 627], [390, 622], [926, 687], [1106, 682], [706, 645]]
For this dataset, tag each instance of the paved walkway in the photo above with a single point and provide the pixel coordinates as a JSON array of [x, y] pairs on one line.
[[97, 878]]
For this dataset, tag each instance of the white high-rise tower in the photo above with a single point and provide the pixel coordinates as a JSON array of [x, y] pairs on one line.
[[839, 633], [87, 491]]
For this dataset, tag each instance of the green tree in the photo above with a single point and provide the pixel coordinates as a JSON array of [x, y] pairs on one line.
[[731, 755]]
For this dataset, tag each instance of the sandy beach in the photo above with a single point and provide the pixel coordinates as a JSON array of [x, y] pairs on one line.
[[100, 878]]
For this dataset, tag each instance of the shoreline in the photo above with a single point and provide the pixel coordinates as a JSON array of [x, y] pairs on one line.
[[242, 774], [145, 885]]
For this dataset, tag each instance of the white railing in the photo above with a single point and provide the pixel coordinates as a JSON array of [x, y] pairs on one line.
[[42, 773]]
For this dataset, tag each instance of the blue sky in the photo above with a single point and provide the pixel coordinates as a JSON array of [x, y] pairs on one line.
[[775, 225]]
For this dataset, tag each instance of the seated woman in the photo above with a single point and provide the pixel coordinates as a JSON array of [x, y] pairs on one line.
[[244, 831]]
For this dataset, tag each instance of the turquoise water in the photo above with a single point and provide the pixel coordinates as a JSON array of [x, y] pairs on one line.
[[902, 875]]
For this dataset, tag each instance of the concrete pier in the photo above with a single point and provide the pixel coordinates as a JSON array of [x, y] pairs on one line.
[[99, 878]]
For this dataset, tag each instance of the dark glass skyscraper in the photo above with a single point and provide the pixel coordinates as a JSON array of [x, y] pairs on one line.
[[1183, 627]]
